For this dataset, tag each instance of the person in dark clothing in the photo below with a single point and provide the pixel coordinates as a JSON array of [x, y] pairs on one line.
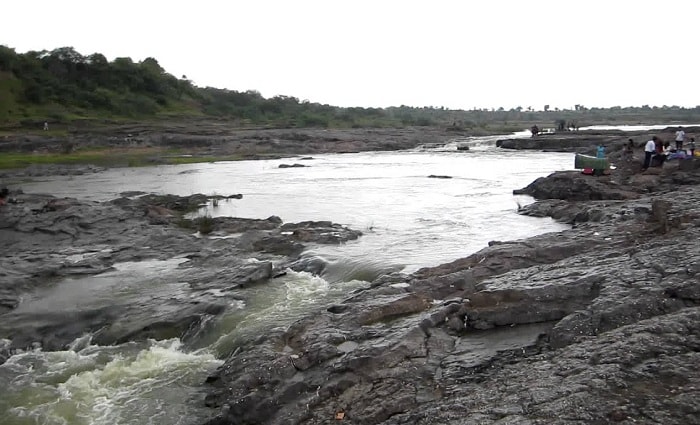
[[628, 152], [4, 193], [691, 147], [662, 152]]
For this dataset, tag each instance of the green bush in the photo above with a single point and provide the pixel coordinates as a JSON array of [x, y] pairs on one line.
[[313, 120], [204, 225]]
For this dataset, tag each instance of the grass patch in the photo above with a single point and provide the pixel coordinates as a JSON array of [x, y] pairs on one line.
[[109, 157], [205, 224], [193, 159], [58, 132]]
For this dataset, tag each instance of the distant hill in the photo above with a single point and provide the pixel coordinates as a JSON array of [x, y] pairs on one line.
[[65, 86]]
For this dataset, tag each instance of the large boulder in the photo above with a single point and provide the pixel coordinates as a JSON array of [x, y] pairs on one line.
[[575, 186]]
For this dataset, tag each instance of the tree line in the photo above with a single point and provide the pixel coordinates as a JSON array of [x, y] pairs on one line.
[[63, 85]]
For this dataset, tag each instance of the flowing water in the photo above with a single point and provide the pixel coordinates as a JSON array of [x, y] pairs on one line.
[[408, 219]]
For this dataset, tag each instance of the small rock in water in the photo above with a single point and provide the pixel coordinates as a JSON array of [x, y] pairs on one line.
[[291, 166]]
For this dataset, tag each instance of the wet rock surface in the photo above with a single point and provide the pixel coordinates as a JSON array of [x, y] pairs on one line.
[[597, 324], [62, 259]]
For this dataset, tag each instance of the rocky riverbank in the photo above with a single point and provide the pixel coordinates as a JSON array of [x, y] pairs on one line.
[[220, 138], [91, 150], [585, 142], [57, 253], [597, 324]]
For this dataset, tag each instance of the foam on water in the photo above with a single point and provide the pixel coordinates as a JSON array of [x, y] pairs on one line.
[[304, 287], [272, 307], [135, 383]]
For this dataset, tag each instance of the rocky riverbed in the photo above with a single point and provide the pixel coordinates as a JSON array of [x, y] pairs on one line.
[[156, 143], [596, 324], [50, 244], [221, 138]]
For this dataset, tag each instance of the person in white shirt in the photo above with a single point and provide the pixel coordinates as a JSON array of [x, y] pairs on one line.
[[649, 150], [680, 137]]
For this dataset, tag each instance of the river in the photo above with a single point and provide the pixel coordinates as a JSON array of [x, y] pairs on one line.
[[409, 221]]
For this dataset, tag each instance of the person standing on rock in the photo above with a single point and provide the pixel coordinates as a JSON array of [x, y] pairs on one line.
[[691, 147], [649, 150], [680, 137], [600, 151], [628, 152]]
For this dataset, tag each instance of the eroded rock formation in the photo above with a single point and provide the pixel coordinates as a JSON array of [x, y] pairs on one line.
[[596, 324]]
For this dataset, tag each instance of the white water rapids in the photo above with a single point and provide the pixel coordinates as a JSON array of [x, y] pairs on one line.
[[408, 219]]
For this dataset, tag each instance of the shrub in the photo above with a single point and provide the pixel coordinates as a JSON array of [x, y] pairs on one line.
[[205, 225]]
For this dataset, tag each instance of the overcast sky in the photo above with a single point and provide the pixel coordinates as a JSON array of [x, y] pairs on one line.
[[457, 54]]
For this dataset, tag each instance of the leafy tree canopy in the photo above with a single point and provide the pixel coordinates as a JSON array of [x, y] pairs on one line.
[[62, 85]]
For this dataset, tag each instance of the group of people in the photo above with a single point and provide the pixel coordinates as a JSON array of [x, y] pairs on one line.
[[656, 151]]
